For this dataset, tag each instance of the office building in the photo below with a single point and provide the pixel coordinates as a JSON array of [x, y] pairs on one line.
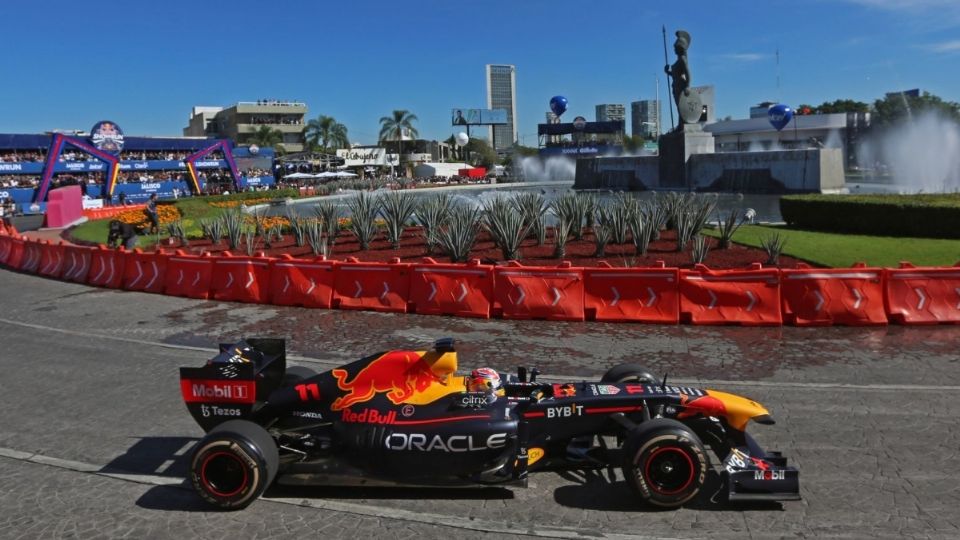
[[502, 94], [240, 121], [645, 118], [760, 109], [611, 112]]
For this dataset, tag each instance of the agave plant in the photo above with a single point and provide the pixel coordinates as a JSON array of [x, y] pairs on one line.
[[250, 243], [432, 213], [533, 206], [364, 208], [565, 207], [176, 230], [582, 207], [316, 238], [297, 225], [591, 205], [727, 227], [329, 214], [601, 236], [641, 226], [617, 218], [701, 246], [773, 244], [659, 214], [459, 234], [506, 226], [396, 208], [232, 221], [690, 218], [561, 234]]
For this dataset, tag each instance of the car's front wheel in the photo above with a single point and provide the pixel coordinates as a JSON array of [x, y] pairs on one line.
[[233, 464], [664, 462], [629, 373]]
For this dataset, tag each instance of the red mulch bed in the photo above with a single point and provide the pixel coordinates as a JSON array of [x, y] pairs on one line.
[[579, 252]]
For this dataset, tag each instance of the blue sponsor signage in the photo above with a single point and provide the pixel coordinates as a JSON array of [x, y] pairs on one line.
[[99, 166]]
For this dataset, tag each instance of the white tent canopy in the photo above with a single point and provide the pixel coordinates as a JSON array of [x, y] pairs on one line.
[[439, 169]]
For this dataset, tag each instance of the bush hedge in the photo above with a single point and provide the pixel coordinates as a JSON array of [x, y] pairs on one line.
[[923, 215]]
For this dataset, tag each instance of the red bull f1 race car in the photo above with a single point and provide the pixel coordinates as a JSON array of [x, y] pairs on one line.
[[406, 418]]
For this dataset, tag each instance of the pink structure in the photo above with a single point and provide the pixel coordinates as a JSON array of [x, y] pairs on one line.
[[64, 207]]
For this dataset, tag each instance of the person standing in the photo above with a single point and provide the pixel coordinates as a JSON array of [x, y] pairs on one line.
[[151, 211]]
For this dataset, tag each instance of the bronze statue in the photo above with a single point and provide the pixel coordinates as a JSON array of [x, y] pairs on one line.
[[688, 102]]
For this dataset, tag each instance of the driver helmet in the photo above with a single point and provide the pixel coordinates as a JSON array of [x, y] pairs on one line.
[[484, 380]]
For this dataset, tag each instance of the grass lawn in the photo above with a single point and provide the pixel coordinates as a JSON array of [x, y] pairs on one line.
[[192, 210], [842, 250]]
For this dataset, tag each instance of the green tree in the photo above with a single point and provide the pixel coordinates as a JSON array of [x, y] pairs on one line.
[[841, 106], [481, 153], [326, 133], [392, 128], [266, 137], [890, 109]]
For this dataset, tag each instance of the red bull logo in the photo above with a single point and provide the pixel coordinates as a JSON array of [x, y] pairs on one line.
[[401, 374], [705, 405]]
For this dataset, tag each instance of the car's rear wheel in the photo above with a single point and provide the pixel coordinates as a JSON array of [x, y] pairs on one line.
[[233, 464], [664, 462], [629, 373]]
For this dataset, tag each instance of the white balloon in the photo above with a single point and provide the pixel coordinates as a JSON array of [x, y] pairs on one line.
[[462, 139]]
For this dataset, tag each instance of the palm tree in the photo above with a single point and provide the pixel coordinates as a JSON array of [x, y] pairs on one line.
[[266, 137], [392, 127], [326, 132]]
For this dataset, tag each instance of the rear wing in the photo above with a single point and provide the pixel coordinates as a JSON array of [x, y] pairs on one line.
[[235, 382]]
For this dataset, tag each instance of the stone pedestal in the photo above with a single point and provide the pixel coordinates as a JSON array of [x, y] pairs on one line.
[[676, 148]]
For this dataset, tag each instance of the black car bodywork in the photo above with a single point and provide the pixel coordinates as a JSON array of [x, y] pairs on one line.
[[406, 418]]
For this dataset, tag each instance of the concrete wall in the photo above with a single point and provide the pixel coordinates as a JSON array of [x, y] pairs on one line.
[[786, 171]]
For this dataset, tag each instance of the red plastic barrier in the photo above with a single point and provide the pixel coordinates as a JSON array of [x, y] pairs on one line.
[[241, 279], [538, 292], [51, 259], [452, 289], [15, 257], [827, 296], [76, 264], [649, 295], [6, 246], [189, 275], [106, 267], [298, 282], [749, 297], [374, 286], [144, 271], [32, 255], [923, 295]]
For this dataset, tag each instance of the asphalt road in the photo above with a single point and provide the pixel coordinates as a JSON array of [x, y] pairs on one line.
[[94, 436]]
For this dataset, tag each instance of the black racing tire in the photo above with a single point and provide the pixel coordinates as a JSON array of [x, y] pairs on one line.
[[664, 463], [629, 373], [234, 464], [296, 374]]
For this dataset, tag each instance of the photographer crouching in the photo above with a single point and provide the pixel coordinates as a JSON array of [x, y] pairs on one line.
[[124, 232]]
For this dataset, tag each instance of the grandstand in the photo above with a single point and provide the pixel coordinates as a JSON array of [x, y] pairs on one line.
[[144, 165]]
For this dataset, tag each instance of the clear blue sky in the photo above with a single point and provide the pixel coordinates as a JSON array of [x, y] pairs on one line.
[[145, 64]]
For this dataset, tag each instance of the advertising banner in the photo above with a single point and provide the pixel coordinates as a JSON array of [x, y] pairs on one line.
[[99, 166], [478, 117], [363, 157]]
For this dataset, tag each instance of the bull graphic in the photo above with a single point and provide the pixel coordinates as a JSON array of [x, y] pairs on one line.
[[401, 374]]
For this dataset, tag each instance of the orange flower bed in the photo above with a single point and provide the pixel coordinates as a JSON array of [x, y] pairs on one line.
[[166, 213], [234, 204], [269, 221]]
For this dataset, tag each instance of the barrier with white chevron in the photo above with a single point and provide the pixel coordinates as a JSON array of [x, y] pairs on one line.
[[832, 296], [372, 286], [145, 272], [188, 275], [923, 295], [51, 259], [749, 297], [302, 282], [462, 290], [632, 294], [76, 266], [32, 254], [6, 247], [106, 267], [241, 279], [538, 292]]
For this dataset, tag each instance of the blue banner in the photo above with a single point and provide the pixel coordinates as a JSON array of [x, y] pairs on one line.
[[99, 166], [585, 150], [136, 192]]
